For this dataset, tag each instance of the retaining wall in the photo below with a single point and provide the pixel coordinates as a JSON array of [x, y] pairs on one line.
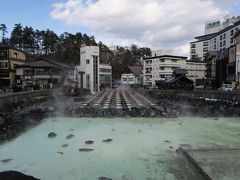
[[24, 96], [231, 96]]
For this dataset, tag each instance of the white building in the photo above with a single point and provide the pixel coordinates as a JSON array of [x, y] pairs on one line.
[[161, 68], [90, 74], [195, 70], [132, 75], [218, 35], [161, 52]]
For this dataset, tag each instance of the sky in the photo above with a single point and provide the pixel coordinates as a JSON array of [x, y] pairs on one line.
[[158, 24]]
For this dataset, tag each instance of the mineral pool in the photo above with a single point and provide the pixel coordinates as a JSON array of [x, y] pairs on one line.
[[141, 148]]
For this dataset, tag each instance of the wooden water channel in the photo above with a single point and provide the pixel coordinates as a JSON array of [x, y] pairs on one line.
[[117, 99]]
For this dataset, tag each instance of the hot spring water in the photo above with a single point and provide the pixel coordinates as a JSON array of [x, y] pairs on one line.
[[141, 148]]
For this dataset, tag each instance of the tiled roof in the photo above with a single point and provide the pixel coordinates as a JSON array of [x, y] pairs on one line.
[[136, 70], [46, 63]]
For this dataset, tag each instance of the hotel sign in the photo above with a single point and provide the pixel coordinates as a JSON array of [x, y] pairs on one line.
[[237, 58]]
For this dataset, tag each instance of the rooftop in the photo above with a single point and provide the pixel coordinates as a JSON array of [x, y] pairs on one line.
[[45, 63], [136, 70], [164, 56]]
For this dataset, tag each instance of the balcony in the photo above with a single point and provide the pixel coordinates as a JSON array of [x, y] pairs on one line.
[[170, 65], [147, 65], [148, 72], [161, 72], [3, 58], [148, 80]]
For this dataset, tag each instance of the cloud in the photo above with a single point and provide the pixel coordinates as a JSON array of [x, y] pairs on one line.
[[156, 23]]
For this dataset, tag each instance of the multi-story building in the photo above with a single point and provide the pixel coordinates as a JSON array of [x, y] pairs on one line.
[[90, 74], [9, 58], [233, 66], [210, 61], [195, 70], [161, 68], [218, 35], [43, 73]]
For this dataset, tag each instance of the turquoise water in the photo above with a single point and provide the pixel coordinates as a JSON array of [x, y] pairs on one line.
[[141, 148]]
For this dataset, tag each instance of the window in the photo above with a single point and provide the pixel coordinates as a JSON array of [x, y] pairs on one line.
[[124, 79], [231, 40], [193, 51], [215, 46], [87, 61], [131, 79], [215, 40], [105, 70], [162, 68], [232, 32], [224, 36], [3, 54], [220, 44], [193, 45], [224, 43], [220, 37], [174, 60], [205, 43], [162, 60], [15, 55], [3, 65]]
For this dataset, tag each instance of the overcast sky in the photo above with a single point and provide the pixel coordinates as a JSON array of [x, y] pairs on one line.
[[159, 24]]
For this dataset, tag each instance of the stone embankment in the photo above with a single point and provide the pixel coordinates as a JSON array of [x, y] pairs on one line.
[[198, 103], [19, 111]]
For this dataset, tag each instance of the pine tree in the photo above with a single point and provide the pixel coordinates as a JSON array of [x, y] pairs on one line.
[[3, 28], [16, 38]]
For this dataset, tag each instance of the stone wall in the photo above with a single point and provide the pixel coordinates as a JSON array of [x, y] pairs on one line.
[[25, 96], [230, 96]]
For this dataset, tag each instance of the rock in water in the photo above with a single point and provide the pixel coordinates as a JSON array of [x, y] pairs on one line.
[[107, 140], [51, 108], [52, 135], [14, 175], [104, 178], [5, 160], [89, 142], [85, 149], [65, 145], [70, 136], [60, 152]]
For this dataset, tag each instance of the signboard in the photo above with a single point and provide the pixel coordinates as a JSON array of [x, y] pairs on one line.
[[238, 59]]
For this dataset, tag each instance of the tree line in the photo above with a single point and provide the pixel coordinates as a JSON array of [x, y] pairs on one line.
[[66, 47]]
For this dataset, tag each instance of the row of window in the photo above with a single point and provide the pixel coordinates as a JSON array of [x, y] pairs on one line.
[[160, 68], [163, 60], [3, 54], [105, 70], [128, 79]]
